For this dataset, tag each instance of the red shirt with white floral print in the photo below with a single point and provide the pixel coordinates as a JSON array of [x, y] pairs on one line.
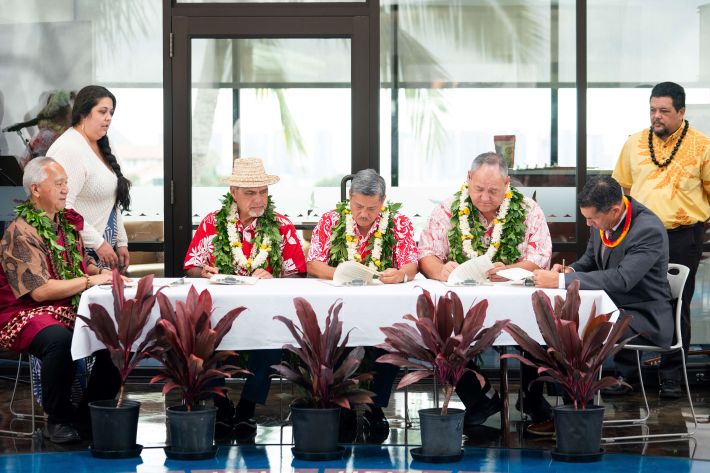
[[405, 251], [201, 250]]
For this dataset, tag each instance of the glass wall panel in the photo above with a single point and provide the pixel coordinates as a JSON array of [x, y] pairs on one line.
[[271, 1], [286, 101], [632, 45], [48, 45], [457, 77]]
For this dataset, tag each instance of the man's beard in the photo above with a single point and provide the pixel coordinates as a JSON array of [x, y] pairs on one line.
[[661, 134], [256, 214]]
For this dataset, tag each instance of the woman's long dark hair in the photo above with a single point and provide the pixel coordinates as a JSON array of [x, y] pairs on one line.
[[85, 100]]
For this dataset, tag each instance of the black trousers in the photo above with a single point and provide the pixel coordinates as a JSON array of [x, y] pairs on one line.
[[686, 248], [256, 387], [471, 393], [52, 346]]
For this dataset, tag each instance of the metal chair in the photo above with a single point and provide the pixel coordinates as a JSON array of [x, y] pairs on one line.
[[677, 275], [32, 416]]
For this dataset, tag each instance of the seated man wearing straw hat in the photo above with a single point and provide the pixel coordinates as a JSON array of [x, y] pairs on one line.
[[246, 237]]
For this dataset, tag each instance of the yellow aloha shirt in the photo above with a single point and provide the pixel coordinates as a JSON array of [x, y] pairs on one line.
[[677, 193]]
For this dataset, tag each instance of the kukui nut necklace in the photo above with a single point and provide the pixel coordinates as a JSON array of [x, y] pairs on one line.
[[675, 148]]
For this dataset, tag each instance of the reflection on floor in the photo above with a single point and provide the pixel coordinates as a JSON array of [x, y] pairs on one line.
[[486, 452], [252, 459]]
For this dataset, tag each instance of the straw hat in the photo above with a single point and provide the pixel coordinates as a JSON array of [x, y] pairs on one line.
[[249, 172]]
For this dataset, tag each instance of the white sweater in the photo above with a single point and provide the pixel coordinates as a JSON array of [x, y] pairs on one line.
[[92, 186]]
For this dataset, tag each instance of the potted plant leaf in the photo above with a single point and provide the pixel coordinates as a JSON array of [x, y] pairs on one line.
[[441, 343], [114, 422], [573, 362], [186, 344], [324, 378]]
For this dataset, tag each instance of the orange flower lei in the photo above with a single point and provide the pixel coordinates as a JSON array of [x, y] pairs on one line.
[[624, 231]]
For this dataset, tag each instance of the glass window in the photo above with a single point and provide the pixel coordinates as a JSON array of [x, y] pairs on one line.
[[462, 78], [271, 1], [286, 101], [631, 47]]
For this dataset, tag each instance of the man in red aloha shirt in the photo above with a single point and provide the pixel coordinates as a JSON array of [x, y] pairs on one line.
[[246, 237], [247, 212], [367, 230]]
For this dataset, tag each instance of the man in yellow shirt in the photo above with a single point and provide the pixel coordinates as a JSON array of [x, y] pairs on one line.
[[667, 168]]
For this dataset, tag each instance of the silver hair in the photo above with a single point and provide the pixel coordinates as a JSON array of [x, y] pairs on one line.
[[368, 182], [35, 172], [491, 158]]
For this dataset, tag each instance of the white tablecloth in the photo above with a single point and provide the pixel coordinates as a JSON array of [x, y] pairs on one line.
[[365, 309]]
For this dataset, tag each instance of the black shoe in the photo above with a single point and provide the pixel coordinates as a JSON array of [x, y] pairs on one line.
[[224, 423], [478, 413], [376, 426], [347, 428], [670, 389], [244, 431], [60, 433], [618, 389], [539, 411]]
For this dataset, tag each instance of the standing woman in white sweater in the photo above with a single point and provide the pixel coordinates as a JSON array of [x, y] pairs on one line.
[[97, 188]]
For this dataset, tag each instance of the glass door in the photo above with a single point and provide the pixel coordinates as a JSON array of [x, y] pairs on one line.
[[281, 89]]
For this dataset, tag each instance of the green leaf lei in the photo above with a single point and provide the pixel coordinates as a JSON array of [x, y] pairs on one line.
[[338, 245], [513, 230], [67, 267], [266, 225]]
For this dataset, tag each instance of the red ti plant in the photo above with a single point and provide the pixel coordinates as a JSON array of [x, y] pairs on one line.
[[441, 343], [130, 317], [324, 376], [186, 344], [570, 360]]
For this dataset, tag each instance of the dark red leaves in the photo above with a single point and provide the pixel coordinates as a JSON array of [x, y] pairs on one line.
[[324, 376]]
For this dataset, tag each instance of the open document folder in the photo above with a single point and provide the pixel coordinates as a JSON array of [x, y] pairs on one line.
[[471, 272], [352, 273]]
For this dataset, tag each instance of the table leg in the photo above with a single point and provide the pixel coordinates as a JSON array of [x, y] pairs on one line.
[[505, 411]]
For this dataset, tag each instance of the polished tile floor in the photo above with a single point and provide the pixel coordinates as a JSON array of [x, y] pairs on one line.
[[487, 446]]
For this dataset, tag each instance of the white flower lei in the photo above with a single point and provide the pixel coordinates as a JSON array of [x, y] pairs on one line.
[[352, 240], [464, 227], [255, 260]]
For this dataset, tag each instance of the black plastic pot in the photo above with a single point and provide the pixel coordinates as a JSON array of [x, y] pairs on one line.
[[315, 431], [579, 433], [441, 435], [191, 431], [114, 428]]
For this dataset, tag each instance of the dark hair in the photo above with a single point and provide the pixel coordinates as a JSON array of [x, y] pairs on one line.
[[672, 90], [601, 192], [85, 100]]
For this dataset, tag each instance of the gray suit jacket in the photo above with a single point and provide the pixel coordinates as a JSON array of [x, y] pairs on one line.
[[633, 274]]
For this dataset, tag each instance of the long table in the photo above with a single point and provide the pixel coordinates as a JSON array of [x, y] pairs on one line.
[[365, 309]]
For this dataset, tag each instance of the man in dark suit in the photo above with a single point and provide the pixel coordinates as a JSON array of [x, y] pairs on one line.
[[627, 257]]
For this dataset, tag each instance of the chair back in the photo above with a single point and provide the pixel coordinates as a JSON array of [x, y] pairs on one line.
[[677, 276]]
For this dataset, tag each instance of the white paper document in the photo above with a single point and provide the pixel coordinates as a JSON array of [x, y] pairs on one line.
[[515, 274], [231, 279], [352, 273], [471, 272]]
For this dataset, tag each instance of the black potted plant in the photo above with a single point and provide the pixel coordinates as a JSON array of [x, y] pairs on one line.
[[114, 422], [441, 343], [573, 362], [324, 379], [186, 344]]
